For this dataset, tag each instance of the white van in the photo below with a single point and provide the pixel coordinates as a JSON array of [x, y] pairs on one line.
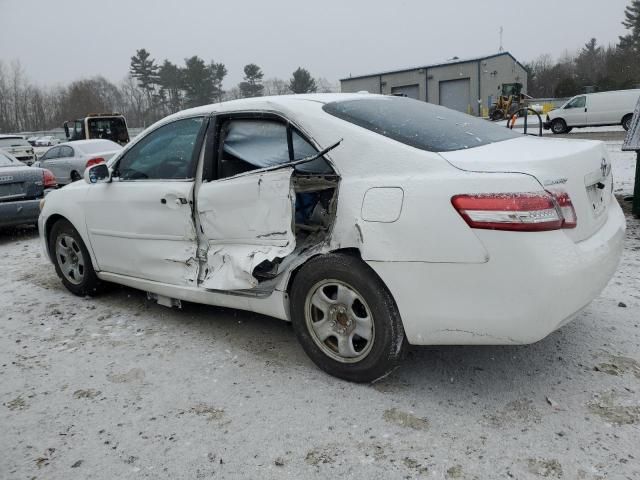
[[594, 110]]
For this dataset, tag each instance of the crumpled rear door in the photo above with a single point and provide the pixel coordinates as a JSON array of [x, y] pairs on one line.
[[245, 220]]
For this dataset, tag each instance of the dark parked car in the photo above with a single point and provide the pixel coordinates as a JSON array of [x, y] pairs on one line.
[[21, 189]]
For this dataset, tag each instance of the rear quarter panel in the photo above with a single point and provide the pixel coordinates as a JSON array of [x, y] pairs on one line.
[[428, 228]]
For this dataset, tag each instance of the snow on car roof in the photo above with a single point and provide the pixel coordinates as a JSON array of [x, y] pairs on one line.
[[94, 145], [266, 103]]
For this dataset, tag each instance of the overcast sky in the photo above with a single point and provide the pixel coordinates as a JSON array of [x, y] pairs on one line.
[[60, 41]]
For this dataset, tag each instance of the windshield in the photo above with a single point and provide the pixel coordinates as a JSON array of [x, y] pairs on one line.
[[7, 161], [419, 124], [13, 142], [113, 129]]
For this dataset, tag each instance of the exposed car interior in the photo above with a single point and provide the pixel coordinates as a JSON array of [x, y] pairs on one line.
[[247, 144]]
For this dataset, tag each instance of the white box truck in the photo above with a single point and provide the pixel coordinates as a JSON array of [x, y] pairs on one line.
[[594, 110]]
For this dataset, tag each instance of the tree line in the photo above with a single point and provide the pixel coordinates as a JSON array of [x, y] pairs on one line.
[[154, 89], [594, 67], [150, 91]]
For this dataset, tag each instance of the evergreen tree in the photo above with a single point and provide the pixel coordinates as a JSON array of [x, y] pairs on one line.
[[145, 71], [171, 82], [197, 82], [631, 41], [252, 85], [589, 63], [302, 82], [218, 72]]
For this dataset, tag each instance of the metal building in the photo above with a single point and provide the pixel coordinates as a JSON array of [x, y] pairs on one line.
[[468, 85]]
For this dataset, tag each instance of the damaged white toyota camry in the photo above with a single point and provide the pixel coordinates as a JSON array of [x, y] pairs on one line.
[[370, 222]]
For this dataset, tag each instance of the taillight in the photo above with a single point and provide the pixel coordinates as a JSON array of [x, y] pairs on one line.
[[565, 206], [521, 212], [48, 179], [94, 161]]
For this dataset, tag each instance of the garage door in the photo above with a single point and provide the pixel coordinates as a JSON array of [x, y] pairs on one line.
[[456, 94], [410, 91]]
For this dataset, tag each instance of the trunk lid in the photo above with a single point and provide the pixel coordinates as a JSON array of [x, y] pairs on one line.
[[20, 183], [581, 168]]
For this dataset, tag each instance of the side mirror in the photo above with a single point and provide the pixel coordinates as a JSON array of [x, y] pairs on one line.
[[99, 173]]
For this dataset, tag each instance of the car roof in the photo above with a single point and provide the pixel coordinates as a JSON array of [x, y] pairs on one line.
[[98, 141], [298, 102]]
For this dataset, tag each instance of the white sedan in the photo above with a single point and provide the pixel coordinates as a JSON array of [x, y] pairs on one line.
[[370, 222], [46, 141], [68, 161]]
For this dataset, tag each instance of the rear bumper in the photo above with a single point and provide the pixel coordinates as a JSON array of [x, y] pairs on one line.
[[532, 285], [21, 212]]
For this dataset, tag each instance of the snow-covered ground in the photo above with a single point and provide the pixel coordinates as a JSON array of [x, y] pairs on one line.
[[119, 387], [532, 121], [623, 166]]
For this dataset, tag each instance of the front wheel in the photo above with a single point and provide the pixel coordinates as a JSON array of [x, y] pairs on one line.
[[72, 260], [346, 319], [559, 126], [626, 122]]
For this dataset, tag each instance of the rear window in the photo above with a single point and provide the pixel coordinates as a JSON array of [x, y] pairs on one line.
[[14, 142], [419, 124], [6, 161]]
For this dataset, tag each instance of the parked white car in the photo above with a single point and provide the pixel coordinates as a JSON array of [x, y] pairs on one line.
[[47, 141], [68, 161], [368, 221], [594, 110], [18, 147]]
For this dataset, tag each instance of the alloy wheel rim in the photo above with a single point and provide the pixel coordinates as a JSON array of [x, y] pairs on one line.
[[339, 321], [70, 259]]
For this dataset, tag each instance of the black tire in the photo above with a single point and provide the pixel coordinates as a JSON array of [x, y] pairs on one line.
[[497, 115], [559, 126], [86, 281], [626, 122], [382, 352], [75, 176]]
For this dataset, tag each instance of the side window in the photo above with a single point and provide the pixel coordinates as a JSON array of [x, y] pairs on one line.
[[78, 130], [66, 152], [303, 149], [167, 153], [51, 153], [249, 144], [578, 102]]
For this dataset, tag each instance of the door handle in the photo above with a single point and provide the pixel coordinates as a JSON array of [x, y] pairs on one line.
[[176, 200]]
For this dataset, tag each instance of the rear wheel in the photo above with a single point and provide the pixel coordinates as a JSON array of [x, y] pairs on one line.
[[559, 126], [72, 260], [626, 122], [75, 176], [346, 319]]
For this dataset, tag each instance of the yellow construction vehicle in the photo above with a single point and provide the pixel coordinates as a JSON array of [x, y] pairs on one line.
[[510, 101]]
